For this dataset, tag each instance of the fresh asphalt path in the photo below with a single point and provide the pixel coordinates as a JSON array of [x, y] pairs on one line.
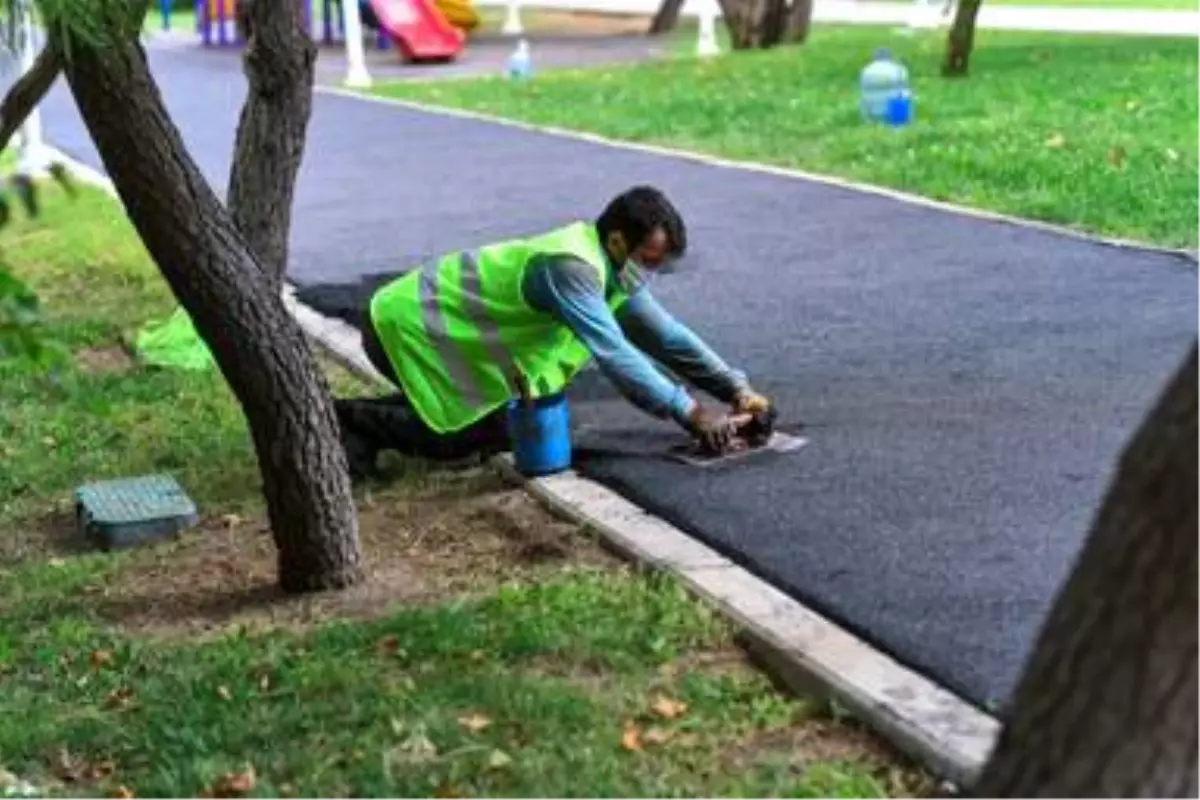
[[967, 385]]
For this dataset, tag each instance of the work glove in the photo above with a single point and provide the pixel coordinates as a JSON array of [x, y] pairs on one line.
[[748, 401], [714, 429]]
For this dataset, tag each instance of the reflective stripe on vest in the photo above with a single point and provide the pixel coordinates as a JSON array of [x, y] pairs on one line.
[[474, 310]]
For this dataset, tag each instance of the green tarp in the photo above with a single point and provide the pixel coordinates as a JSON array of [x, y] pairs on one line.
[[174, 343]]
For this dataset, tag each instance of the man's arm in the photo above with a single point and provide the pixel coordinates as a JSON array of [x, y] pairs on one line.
[[571, 291], [652, 329]]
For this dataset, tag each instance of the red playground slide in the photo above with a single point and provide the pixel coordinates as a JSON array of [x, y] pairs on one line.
[[419, 29]]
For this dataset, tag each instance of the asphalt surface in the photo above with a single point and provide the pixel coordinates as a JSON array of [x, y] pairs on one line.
[[967, 385]]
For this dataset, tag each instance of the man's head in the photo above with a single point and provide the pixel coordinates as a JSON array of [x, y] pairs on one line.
[[641, 226]]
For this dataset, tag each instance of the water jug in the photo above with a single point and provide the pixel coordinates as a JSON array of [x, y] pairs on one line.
[[520, 62], [885, 92]]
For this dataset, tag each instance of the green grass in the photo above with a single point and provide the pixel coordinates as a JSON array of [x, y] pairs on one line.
[[1097, 133], [528, 685], [64, 428]]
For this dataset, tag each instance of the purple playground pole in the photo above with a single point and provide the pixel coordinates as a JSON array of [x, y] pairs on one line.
[[203, 22], [221, 38], [341, 19], [327, 21], [307, 17]]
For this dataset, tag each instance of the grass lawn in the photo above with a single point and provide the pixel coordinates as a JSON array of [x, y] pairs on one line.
[[494, 650], [1094, 132]]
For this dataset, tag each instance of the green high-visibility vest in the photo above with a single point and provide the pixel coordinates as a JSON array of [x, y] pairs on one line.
[[458, 330]]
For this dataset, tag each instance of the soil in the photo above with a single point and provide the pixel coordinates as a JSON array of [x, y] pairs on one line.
[[103, 359], [455, 534]]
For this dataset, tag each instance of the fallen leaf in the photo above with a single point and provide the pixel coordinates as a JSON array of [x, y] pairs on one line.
[[50, 442], [224, 693], [1116, 155], [417, 749], [264, 683], [122, 791], [100, 658], [478, 655], [388, 645], [1171, 153], [231, 521], [445, 790], [101, 770], [657, 735], [1131, 105], [57, 562], [498, 759], [1056, 141], [119, 698], [667, 708], [474, 722], [235, 784], [631, 738]]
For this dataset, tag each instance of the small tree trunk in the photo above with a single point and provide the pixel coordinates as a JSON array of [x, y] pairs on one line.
[[26, 93], [236, 308], [666, 18], [279, 59], [961, 40], [1106, 706], [799, 21]]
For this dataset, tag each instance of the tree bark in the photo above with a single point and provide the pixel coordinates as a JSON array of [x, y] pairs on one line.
[[279, 61], [799, 22], [961, 40], [1106, 706], [666, 18], [764, 24], [235, 306], [26, 93]]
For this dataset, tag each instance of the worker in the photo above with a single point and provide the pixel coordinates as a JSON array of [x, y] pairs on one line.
[[459, 335]]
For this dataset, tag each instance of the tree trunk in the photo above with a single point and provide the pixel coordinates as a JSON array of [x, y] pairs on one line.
[[1106, 706], [961, 40], [279, 58], [25, 94], [666, 18], [799, 21], [235, 306], [764, 24]]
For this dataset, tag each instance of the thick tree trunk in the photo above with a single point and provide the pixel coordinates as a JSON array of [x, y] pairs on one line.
[[25, 94], [258, 346], [799, 21], [961, 40], [666, 18], [766, 23], [1106, 706], [279, 59]]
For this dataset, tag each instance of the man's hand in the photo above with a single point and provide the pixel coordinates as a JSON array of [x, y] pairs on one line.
[[748, 401], [713, 428]]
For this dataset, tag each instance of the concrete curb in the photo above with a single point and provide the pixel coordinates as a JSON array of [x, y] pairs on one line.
[[808, 652], [768, 169]]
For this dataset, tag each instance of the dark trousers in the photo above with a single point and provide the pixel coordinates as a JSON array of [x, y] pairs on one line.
[[370, 425]]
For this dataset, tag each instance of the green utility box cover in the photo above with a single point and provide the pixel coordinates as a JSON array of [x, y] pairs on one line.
[[133, 511]]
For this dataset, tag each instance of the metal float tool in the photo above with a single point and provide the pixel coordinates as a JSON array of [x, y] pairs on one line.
[[754, 435]]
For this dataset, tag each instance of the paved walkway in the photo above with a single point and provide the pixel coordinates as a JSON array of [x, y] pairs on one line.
[[968, 384]]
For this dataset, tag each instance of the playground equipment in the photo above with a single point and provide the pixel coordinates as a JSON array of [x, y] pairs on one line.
[[418, 27]]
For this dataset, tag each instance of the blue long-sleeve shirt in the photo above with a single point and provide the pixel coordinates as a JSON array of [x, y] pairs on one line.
[[624, 344]]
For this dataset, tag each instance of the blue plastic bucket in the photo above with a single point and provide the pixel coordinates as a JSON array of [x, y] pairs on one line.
[[540, 435]]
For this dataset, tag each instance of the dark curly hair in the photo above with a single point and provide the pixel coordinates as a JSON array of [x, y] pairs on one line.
[[637, 212]]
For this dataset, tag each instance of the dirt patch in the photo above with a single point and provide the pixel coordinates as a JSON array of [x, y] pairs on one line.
[[99, 360], [455, 535]]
